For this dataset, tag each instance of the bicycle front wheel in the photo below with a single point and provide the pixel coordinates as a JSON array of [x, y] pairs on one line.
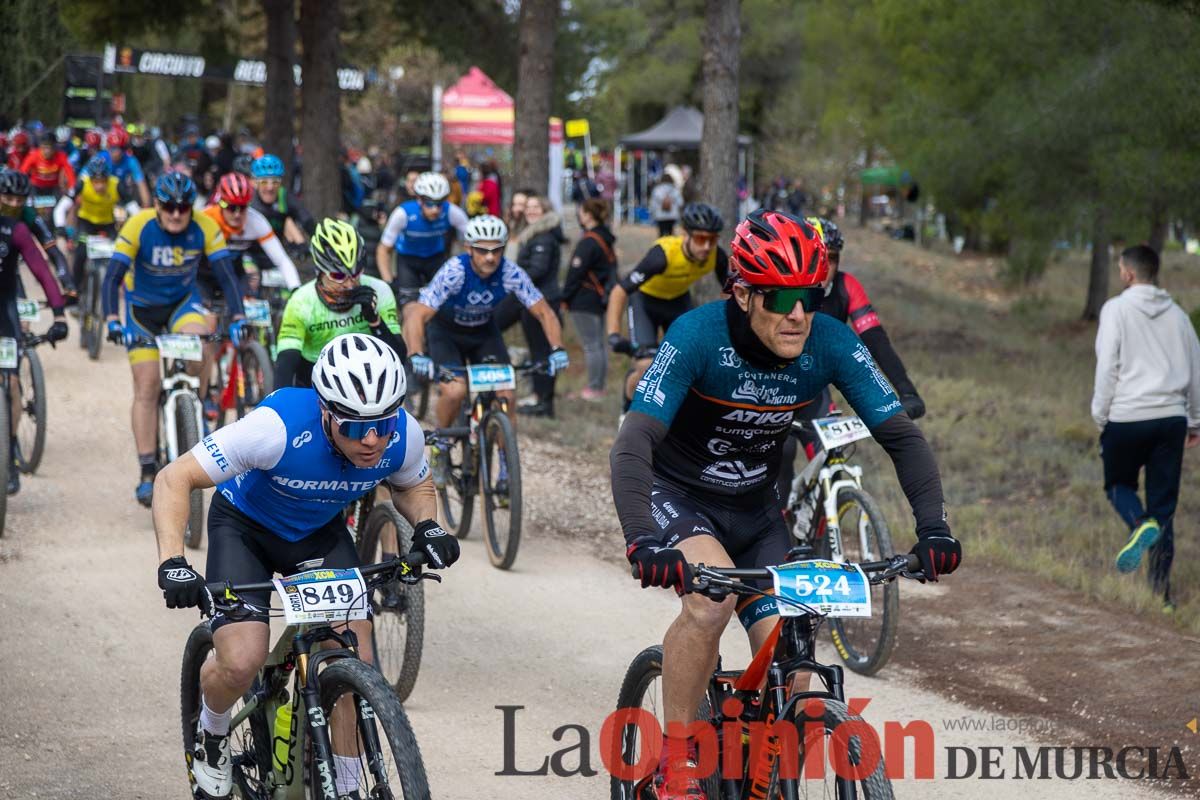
[[93, 316], [866, 643], [6, 462], [31, 427], [257, 375], [389, 760], [500, 482], [642, 689], [398, 626], [457, 496], [187, 434], [858, 754]]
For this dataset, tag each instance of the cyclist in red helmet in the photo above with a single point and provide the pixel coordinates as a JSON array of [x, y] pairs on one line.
[[696, 459], [19, 149], [125, 166]]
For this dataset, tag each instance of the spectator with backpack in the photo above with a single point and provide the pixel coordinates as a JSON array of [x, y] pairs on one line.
[[592, 271], [666, 201]]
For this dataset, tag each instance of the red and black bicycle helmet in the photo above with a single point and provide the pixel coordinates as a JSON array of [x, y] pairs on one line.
[[118, 137], [234, 189], [776, 250]]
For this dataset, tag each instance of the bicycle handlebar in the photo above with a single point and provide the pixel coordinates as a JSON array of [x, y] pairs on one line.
[[904, 565]]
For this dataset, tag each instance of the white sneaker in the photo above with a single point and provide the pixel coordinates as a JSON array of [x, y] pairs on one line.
[[211, 769]]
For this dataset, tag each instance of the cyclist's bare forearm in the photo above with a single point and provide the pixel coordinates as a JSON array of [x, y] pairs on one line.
[[383, 260], [172, 489], [417, 503], [616, 307], [416, 315]]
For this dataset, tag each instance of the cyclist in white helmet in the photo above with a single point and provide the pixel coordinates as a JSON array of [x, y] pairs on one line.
[[418, 231], [283, 474]]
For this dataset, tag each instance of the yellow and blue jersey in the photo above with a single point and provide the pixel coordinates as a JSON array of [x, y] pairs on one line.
[[160, 268]]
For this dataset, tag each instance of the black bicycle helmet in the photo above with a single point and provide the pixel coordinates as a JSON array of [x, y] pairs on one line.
[[829, 232], [97, 167], [243, 164], [175, 187], [702, 217], [15, 182]]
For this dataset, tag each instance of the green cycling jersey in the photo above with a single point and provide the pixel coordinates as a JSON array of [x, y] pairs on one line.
[[308, 324]]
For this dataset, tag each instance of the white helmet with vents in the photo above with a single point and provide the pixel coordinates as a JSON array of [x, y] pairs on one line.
[[486, 228], [432, 185], [359, 376]]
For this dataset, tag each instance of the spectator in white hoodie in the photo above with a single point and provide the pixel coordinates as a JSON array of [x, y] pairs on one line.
[[1147, 404]]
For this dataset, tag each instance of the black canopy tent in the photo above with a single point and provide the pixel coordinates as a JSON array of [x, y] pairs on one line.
[[681, 129]]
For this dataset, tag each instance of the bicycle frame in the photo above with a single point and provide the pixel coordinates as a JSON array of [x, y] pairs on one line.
[[175, 384], [830, 472]]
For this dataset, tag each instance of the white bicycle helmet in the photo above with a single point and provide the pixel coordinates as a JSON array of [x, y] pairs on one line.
[[486, 228], [432, 185], [358, 376]]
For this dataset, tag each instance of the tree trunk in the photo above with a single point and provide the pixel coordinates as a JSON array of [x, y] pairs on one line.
[[535, 89], [718, 144], [1158, 225], [864, 197], [1098, 276], [321, 116], [280, 111]]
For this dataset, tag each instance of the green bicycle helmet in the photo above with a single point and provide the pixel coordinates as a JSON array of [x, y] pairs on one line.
[[337, 247]]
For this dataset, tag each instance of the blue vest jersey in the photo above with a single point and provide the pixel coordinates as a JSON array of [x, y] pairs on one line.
[[422, 238], [726, 419], [129, 168], [279, 468], [463, 298]]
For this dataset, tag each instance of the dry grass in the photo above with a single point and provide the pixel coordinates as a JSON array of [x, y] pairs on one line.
[[1007, 378]]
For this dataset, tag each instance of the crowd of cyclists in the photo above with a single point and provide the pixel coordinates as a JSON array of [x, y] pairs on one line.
[[703, 449]]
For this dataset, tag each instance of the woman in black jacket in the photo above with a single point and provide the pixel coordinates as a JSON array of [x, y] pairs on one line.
[[592, 270], [539, 253]]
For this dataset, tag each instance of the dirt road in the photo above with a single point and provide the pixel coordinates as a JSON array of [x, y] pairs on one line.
[[89, 656]]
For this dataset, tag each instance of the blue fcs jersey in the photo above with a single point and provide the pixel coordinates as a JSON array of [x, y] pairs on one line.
[[422, 238], [279, 468], [159, 267], [463, 298], [727, 419]]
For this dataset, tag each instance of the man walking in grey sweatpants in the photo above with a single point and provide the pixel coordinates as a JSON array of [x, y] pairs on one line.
[[1147, 404]]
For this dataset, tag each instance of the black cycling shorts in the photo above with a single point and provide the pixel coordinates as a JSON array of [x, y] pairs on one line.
[[241, 550], [414, 272], [456, 346], [649, 317], [754, 536]]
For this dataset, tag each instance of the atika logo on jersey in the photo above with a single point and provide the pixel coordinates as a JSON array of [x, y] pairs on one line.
[[759, 417]]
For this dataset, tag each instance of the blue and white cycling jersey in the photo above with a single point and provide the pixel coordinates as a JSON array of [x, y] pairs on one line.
[[463, 298], [412, 235], [278, 467], [727, 419], [129, 168]]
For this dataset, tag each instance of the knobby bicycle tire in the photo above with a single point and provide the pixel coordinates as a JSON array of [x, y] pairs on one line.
[[350, 676], [258, 376], [250, 743], [643, 670], [848, 634], [187, 435], [94, 317], [29, 457], [875, 786], [502, 549], [410, 616], [5, 457], [457, 497]]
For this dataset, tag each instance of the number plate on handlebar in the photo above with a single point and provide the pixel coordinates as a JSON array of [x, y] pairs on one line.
[[323, 595], [490, 377], [258, 312], [44, 201], [840, 431], [832, 589], [273, 278], [185, 346], [28, 310], [8, 353], [99, 247]]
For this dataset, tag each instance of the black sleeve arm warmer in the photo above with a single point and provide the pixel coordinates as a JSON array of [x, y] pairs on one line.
[[917, 471], [287, 362], [721, 273], [384, 333], [877, 341], [631, 462]]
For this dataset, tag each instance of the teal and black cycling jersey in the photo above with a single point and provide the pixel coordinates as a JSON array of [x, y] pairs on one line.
[[726, 419]]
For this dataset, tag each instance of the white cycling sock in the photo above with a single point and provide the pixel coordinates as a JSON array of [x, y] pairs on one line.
[[214, 723], [347, 768]]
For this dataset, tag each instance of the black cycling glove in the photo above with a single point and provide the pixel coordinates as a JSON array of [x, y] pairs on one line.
[[182, 586], [439, 547], [364, 298], [619, 344], [664, 567], [914, 406], [940, 554], [58, 331]]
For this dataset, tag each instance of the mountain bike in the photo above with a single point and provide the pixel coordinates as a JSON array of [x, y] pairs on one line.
[[281, 742], [180, 413], [398, 608], [833, 517], [755, 710], [242, 375], [12, 359], [91, 300], [29, 436], [481, 457]]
